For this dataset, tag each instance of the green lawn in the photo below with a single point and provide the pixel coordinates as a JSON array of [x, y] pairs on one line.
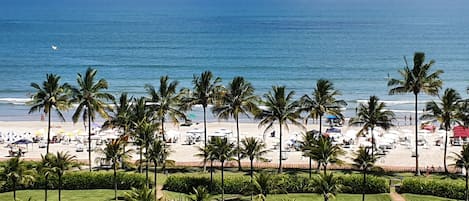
[[413, 197], [75, 195]]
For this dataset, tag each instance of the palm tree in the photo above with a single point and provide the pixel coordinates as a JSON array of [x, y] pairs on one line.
[[262, 184], [166, 102], [364, 161], [308, 142], [90, 99], [417, 80], [253, 148], [323, 100], [445, 113], [121, 115], [52, 95], [43, 168], [325, 152], [371, 115], [158, 153], [140, 116], [200, 194], [462, 160], [204, 93], [139, 194], [58, 164], [15, 172], [146, 131], [239, 98], [222, 151], [206, 153], [114, 152], [282, 109], [327, 185]]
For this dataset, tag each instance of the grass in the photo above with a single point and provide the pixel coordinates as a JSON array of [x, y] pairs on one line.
[[413, 197], [67, 195]]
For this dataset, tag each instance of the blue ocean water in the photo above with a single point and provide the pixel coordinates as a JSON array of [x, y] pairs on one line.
[[357, 44]]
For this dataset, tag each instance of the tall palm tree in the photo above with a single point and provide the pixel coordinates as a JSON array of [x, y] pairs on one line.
[[308, 142], [445, 112], [58, 164], [140, 115], [326, 153], [323, 100], [462, 160], [416, 80], [43, 168], [371, 115], [222, 151], [364, 161], [166, 102], [15, 172], [238, 98], [121, 114], [253, 148], [51, 95], [205, 92], [91, 100], [206, 153], [146, 135], [281, 108], [114, 152], [158, 153], [327, 185]]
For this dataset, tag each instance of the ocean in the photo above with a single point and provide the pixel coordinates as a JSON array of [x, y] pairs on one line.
[[357, 44]]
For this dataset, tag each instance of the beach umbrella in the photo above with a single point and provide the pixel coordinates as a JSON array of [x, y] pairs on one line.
[[23, 141], [40, 132]]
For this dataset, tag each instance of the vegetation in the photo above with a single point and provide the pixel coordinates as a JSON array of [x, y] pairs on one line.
[[373, 115], [253, 148], [416, 80], [281, 108], [58, 164], [324, 152], [462, 161], [364, 161], [15, 173], [238, 98], [91, 100], [206, 91]]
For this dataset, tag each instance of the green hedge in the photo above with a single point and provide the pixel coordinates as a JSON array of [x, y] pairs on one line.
[[238, 184], [453, 189], [80, 180]]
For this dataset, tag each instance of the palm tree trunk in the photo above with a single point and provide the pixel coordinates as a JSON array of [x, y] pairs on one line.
[[238, 148], [364, 185], [320, 124], [89, 140], [326, 198], [205, 135], [223, 182], [280, 170], [155, 182], [14, 188], [467, 177], [325, 168], [446, 146], [115, 181], [417, 171], [318, 168], [141, 159], [372, 142], [46, 187], [310, 167], [211, 175], [60, 187], [146, 171], [252, 169], [162, 130], [48, 130]]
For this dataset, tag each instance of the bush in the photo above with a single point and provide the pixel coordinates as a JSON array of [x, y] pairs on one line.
[[238, 184], [81, 180], [436, 187]]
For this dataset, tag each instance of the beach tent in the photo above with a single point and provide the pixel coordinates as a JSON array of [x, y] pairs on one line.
[[460, 131]]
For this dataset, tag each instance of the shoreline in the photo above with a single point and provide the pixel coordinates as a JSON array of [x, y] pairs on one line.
[[399, 157]]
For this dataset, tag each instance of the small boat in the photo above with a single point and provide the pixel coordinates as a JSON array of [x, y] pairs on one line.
[[54, 47]]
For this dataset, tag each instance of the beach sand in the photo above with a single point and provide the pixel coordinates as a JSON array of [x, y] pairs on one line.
[[399, 157]]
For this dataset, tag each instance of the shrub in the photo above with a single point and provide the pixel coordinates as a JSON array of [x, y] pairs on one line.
[[80, 180], [238, 184], [453, 189]]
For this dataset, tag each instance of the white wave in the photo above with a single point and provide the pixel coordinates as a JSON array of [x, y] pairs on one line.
[[15, 101], [390, 102], [406, 111]]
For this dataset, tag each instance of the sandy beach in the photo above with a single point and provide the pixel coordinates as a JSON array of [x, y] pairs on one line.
[[399, 156]]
